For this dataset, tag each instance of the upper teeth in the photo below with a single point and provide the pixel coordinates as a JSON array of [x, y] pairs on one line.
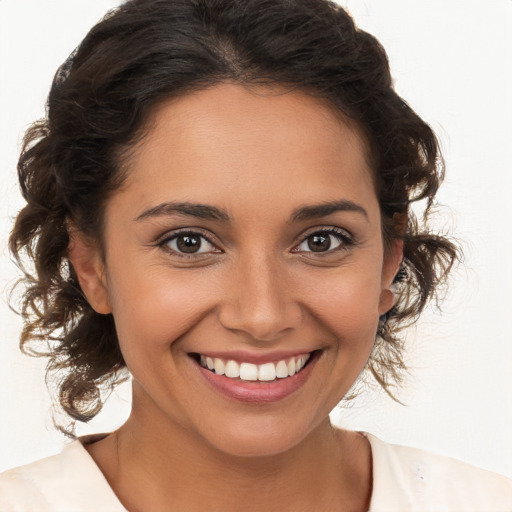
[[249, 371]]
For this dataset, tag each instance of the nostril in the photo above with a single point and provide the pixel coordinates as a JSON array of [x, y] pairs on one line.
[[261, 325]]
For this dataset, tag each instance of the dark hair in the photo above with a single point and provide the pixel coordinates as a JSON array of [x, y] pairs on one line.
[[147, 51]]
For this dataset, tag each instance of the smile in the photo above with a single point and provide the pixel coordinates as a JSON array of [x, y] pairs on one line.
[[253, 372], [256, 379]]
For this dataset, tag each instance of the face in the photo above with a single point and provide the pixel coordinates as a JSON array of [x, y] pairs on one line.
[[244, 266]]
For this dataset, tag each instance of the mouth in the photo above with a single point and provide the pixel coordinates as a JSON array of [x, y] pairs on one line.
[[256, 383], [246, 371]]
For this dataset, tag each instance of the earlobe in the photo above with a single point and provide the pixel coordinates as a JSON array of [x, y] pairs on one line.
[[387, 300], [85, 256]]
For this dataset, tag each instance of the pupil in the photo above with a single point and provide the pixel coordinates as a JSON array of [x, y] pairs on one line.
[[188, 243], [319, 243]]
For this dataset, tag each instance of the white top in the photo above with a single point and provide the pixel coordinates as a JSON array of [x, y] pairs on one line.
[[404, 480]]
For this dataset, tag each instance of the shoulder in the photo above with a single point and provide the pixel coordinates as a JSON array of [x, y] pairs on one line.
[[66, 482], [417, 480]]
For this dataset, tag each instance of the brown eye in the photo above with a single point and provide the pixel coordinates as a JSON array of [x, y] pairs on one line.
[[319, 242], [189, 243], [325, 241]]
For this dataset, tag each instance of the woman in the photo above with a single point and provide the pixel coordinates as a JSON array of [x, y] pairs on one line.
[[220, 202]]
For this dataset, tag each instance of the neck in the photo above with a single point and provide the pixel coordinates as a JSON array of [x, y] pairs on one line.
[[152, 467]]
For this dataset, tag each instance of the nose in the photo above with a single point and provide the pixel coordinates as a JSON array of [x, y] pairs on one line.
[[259, 300]]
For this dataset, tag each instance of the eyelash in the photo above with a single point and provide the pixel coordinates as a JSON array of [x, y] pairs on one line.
[[344, 237], [195, 233]]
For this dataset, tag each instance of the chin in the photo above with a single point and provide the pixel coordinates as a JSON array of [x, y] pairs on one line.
[[259, 438]]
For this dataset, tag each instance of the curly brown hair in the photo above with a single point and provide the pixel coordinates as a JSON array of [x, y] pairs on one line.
[[147, 51]]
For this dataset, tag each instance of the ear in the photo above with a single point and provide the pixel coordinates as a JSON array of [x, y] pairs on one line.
[[392, 259], [86, 258]]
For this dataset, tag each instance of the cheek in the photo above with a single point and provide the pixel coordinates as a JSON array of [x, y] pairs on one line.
[[152, 310], [348, 304]]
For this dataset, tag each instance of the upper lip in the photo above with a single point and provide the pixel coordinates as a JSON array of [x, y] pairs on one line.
[[243, 356]]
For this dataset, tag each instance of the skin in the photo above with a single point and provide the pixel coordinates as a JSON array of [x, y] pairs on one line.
[[258, 155]]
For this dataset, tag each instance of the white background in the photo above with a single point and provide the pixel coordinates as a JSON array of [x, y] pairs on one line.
[[451, 62]]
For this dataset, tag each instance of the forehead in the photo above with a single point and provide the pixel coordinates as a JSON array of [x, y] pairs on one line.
[[264, 143]]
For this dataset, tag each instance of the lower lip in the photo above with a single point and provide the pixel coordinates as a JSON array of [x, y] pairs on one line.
[[258, 392]]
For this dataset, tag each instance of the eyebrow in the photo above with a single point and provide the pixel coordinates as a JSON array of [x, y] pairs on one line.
[[324, 209], [200, 211], [204, 211]]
